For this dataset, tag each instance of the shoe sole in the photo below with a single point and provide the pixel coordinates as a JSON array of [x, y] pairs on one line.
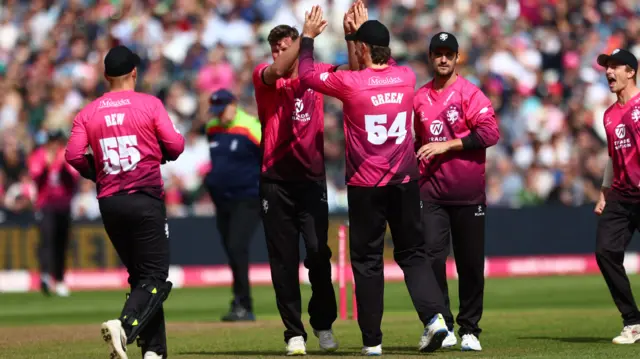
[[237, 320], [329, 349], [113, 341], [627, 343], [297, 353], [436, 341], [469, 349]]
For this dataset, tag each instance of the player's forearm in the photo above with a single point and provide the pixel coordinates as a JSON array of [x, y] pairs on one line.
[[455, 145], [169, 137], [305, 65], [74, 155], [481, 137], [354, 65], [473, 141], [83, 166], [173, 147], [90, 172], [282, 63]]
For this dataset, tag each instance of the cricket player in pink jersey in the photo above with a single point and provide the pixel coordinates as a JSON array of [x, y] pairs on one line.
[[619, 204], [129, 134], [381, 176], [293, 190], [454, 123], [56, 183]]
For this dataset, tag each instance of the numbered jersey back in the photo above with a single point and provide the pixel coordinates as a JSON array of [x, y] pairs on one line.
[[122, 135], [378, 122]]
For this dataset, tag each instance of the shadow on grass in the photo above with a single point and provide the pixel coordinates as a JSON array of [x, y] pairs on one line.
[[405, 351], [579, 340]]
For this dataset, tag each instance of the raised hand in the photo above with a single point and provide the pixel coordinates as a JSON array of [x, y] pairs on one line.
[[348, 22], [314, 24], [360, 14]]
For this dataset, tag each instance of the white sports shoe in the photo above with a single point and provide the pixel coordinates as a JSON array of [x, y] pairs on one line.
[[372, 351], [328, 342], [433, 334], [470, 343], [630, 334], [151, 355], [62, 290], [113, 334], [450, 341], [296, 346]]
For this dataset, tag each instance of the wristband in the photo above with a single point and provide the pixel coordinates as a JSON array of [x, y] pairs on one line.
[[306, 43], [471, 142]]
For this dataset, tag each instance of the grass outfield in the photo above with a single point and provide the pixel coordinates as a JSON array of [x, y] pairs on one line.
[[553, 317]]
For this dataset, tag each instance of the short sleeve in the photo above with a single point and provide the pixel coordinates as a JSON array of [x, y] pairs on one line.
[[257, 76]]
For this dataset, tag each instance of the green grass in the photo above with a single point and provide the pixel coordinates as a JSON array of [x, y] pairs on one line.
[[553, 317]]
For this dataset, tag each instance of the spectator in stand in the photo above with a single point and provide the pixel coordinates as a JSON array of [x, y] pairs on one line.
[[85, 204], [21, 196]]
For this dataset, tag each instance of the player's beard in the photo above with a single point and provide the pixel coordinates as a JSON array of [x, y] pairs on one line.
[[444, 72]]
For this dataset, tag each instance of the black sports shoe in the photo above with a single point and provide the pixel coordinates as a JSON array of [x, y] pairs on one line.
[[45, 284], [239, 314]]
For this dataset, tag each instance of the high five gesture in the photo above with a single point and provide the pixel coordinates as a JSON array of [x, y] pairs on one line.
[[314, 23]]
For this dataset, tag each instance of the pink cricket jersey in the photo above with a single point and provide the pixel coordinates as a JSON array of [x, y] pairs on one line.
[[292, 118], [125, 131], [622, 126], [56, 182], [378, 107], [455, 177]]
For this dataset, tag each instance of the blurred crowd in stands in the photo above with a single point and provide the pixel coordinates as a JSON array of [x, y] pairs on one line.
[[535, 59]]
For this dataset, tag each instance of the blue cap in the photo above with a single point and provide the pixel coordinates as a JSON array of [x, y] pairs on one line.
[[219, 101]]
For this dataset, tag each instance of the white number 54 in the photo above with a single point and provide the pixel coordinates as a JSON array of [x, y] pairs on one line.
[[378, 134], [120, 154]]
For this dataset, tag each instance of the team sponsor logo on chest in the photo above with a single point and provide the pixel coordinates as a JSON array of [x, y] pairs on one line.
[[387, 97], [622, 141], [299, 113], [635, 114], [452, 115], [436, 127]]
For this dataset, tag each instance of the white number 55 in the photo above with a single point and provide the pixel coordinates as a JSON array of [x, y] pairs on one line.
[[119, 154], [378, 134]]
